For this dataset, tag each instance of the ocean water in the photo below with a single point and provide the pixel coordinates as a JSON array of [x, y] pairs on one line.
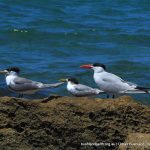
[[50, 39]]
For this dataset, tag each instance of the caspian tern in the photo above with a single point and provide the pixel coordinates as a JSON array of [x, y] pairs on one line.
[[112, 84], [79, 90], [22, 85]]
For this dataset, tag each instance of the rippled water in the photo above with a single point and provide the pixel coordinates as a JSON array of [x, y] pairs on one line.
[[50, 39]]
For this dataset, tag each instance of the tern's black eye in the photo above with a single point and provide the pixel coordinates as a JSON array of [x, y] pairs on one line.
[[73, 80], [15, 69], [99, 65]]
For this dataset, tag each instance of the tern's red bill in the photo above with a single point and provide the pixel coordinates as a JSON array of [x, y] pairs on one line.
[[87, 66]]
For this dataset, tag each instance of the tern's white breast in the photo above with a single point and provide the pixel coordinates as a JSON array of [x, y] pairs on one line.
[[71, 87], [10, 79], [98, 79]]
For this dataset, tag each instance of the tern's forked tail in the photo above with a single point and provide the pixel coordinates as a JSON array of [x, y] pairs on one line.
[[51, 85], [145, 89], [99, 91]]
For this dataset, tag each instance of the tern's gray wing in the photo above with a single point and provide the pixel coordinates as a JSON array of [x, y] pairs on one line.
[[113, 79], [86, 89], [23, 81], [129, 83], [82, 87], [23, 87], [20, 80], [23, 84]]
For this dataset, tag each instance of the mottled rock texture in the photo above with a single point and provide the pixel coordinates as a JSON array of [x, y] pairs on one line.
[[68, 123]]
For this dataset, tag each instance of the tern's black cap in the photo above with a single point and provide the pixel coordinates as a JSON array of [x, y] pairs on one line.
[[99, 65], [73, 80], [15, 69]]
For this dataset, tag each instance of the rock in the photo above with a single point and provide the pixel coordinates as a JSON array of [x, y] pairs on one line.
[[69, 123], [136, 141]]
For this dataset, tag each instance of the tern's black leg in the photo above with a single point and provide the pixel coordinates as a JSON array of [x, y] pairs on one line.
[[113, 96], [107, 95], [20, 95]]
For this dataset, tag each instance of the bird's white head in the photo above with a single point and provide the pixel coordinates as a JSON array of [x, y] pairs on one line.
[[97, 67], [11, 71]]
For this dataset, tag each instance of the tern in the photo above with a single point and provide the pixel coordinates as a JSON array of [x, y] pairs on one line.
[[22, 85], [80, 90], [111, 83]]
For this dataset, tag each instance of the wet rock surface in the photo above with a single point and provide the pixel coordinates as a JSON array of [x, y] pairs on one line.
[[68, 123]]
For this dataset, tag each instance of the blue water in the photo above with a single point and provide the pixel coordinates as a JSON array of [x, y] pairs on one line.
[[50, 39]]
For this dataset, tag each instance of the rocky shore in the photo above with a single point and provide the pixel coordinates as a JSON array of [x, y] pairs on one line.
[[69, 123]]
